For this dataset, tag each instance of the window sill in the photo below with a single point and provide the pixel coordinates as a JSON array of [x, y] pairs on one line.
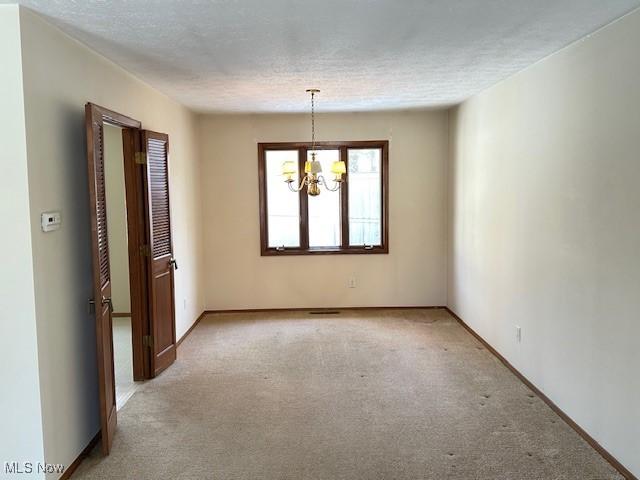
[[272, 252]]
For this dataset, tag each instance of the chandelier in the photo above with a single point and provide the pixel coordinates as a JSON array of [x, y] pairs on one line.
[[313, 177]]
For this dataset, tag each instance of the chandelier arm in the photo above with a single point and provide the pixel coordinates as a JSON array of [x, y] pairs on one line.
[[293, 189], [323, 181], [300, 187]]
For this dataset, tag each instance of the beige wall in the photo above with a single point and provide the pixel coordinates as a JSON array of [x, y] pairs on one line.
[[545, 230], [60, 76], [117, 219], [20, 419], [413, 273]]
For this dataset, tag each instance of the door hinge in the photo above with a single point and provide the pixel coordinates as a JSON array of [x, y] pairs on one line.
[[140, 158], [145, 250], [147, 341]]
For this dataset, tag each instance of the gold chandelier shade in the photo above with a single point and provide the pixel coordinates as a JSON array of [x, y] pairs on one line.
[[338, 168]]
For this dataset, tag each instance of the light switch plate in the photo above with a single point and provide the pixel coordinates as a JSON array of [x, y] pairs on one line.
[[51, 221]]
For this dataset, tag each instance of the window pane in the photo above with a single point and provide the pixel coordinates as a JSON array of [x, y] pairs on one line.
[[283, 213], [365, 196], [324, 210]]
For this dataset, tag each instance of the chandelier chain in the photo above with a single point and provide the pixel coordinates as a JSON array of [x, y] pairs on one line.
[[313, 124]]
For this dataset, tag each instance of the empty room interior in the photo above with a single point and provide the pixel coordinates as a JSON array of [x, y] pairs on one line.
[[320, 240]]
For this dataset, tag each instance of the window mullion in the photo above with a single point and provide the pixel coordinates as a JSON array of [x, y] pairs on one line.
[[304, 202], [344, 199], [384, 174]]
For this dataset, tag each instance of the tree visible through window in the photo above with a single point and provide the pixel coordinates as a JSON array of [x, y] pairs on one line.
[[350, 220]]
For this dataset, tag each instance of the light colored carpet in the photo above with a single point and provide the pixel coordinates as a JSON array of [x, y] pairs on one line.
[[402, 394]]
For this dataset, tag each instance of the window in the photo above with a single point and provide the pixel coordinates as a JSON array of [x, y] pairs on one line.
[[353, 219]]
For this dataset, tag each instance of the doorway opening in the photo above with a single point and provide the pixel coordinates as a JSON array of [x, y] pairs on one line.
[[117, 234]]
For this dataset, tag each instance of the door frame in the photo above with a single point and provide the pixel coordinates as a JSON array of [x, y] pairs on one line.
[[138, 249], [136, 234]]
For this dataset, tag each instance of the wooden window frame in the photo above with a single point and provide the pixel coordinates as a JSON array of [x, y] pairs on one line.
[[304, 249]]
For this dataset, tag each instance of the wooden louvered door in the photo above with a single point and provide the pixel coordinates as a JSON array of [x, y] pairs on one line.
[[161, 261], [101, 274]]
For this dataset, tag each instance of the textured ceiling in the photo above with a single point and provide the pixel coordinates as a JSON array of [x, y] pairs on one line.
[[260, 55]]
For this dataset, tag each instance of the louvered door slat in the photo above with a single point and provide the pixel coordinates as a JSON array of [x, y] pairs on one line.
[[101, 207], [159, 183]]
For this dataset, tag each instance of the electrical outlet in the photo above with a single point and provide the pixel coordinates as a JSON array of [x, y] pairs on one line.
[[518, 334], [352, 282]]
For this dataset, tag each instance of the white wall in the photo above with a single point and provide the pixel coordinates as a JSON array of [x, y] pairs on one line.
[[20, 420], [60, 76], [545, 229], [117, 219], [413, 273]]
